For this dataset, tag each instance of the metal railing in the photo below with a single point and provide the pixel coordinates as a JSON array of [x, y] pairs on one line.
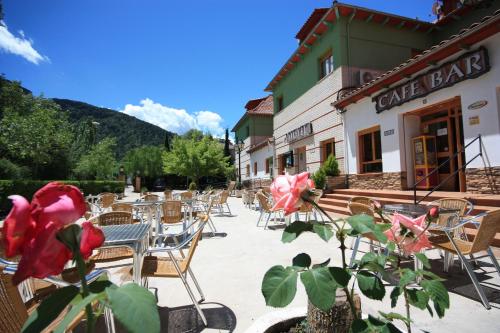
[[448, 160]]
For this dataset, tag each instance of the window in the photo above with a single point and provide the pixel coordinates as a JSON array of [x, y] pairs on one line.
[[370, 150], [247, 131], [255, 168], [269, 165], [248, 170], [327, 149], [326, 65], [279, 103]]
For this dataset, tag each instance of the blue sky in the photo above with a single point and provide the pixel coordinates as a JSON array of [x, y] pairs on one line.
[[178, 64]]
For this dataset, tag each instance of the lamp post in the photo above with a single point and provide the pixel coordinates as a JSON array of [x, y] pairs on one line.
[[240, 145]]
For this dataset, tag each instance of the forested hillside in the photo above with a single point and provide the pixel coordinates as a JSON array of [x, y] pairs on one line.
[[129, 132]]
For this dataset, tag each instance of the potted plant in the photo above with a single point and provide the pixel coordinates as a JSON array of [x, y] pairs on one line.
[[334, 305], [332, 172]]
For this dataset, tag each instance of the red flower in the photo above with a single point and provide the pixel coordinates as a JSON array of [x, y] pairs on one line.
[[91, 239], [287, 191], [434, 212], [18, 226], [31, 230]]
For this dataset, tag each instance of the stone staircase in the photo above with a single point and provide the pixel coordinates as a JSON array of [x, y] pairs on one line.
[[336, 202]]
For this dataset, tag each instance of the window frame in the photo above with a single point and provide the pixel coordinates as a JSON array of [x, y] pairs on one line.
[[323, 148], [322, 60], [247, 173], [255, 168], [279, 103], [361, 150]]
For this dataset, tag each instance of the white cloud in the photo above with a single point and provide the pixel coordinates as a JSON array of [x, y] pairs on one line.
[[176, 120], [21, 45]]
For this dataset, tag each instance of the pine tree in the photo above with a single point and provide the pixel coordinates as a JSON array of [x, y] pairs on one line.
[[226, 144], [167, 142]]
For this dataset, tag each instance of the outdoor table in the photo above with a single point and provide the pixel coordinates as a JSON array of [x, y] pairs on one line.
[[412, 210], [130, 235]]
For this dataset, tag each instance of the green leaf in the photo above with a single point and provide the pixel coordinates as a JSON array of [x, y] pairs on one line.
[[323, 264], [430, 275], [76, 310], [135, 308], [373, 262], [279, 286], [99, 286], [365, 224], [395, 293], [320, 287], [407, 277], [49, 309], [423, 259], [438, 294], [391, 246], [302, 260], [324, 231], [294, 230], [370, 285], [359, 326], [394, 316], [418, 298], [340, 276]]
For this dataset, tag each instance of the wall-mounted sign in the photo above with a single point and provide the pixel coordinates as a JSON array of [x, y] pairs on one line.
[[474, 120], [468, 66], [299, 133], [478, 105], [389, 132]]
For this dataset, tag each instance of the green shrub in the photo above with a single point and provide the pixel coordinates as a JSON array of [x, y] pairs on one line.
[[27, 188], [9, 170], [192, 186], [319, 178], [331, 166]]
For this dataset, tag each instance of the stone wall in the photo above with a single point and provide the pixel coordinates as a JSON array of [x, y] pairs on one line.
[[335, 183], [257, 183], [379, 181], [483, 180]]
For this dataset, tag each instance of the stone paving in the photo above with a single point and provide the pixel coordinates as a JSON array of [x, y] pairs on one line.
[[230, 267]]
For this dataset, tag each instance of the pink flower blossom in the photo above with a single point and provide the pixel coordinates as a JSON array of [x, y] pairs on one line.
[[287, 191], [409, 233]]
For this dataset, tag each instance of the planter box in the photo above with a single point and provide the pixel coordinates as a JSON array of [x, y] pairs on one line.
[[335, 183]]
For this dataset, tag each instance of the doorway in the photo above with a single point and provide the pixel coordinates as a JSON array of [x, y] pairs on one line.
[[301, 156], [444, 122]]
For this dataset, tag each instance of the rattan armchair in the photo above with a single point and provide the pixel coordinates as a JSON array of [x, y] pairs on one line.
[[177, 266], [151, 197], [109, 254], [186, 195], [220, 201], [106, 200], [14, 311], [486, 231], [167, 195], [266, 209], [248, 198]]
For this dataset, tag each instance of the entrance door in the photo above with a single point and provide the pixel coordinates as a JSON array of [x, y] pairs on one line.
[[301, 156], [444, 121]]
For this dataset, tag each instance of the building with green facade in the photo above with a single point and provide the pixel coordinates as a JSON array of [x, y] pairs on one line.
[[254, 132]]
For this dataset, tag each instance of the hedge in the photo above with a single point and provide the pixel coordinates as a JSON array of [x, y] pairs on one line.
[[27, 188]]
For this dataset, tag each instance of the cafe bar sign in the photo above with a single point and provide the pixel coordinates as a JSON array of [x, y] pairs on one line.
[[299, 133], [468, 66]]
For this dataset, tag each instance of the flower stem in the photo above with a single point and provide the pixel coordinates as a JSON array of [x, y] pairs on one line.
[[405, 294], [80, 264]]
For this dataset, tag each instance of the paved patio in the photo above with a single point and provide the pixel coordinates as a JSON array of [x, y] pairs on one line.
[[231, 265]]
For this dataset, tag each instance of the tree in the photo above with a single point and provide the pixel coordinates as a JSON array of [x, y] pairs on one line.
[[147, 160], [194, 158], [167, 141], [34, 132], [99, 163], [83, 139], [227, 152]]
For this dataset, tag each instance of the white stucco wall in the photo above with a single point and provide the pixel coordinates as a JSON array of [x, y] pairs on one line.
[[258, 156], [313, 106], [486, 87]]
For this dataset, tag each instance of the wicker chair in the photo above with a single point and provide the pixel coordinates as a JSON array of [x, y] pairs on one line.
[[231, 187], [167, 194], [151, 197], [109, 254], [463, 206], [362, 200], [172, 212], [14, 312], [177, 266], [487, 230], [186, 195], [122, 207], [266, 209], [248, 198], [106, 200], [356, 208], [220, 201]]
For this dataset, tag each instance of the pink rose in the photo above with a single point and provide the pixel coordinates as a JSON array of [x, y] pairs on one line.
[[434, 212], [91, 239], [410, 243], [287, 191], [31, 229]]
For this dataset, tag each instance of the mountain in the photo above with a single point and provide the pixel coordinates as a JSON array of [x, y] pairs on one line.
[[129, 132]]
